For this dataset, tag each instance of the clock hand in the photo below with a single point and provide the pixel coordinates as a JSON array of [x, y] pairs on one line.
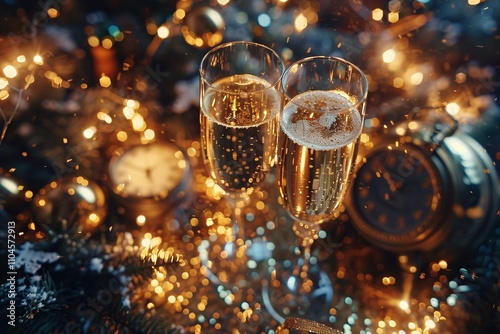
[[393, 186], [131, 165], [151, 180]]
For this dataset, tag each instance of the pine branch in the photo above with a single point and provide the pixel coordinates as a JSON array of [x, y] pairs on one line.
[[88, 283], [132, 320], [140, 263]]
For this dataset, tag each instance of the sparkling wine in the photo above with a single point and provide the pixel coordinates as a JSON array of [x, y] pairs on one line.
[[318, 150], [239, 130]]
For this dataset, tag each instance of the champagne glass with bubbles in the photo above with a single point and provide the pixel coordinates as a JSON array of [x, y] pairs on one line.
[[320, 124], [240, 103]]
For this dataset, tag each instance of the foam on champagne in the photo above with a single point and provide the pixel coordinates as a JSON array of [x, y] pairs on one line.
[[321, 120]]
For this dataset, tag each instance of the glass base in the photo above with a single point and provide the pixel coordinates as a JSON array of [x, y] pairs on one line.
[[234, 256], [291, 292]]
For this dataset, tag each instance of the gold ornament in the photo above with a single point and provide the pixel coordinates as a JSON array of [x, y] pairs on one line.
[[203, 27], [11, 193], [73, 198]]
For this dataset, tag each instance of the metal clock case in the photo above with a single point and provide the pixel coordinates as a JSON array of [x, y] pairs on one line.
[[413, 197], [149, 180]]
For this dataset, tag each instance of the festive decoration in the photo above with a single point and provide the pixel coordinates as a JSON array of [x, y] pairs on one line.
[[10, 192], [204, 27], [72, 196], [71, 282], [79, 80]]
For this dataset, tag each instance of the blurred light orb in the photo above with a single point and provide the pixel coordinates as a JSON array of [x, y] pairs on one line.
[[163, 32], [389, 56], [264, 20], [417, 78], [3, 83], [452, 108], [377, 14], [404, 305], [300, 22], [10, 71]]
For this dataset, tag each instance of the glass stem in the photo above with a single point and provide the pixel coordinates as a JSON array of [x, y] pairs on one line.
[[236, 202], [306, 234], [305, 249]]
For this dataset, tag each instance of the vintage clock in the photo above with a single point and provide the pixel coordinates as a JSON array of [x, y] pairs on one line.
[[430, 192], [149, 180]]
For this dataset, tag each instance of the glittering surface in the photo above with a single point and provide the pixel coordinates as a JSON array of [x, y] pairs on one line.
[[373, 290]]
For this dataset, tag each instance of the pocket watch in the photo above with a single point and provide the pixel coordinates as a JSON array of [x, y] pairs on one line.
[[148, 180], [432, 188]]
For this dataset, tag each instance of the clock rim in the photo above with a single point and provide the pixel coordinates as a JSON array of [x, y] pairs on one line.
[[475, 234], [435, 230]]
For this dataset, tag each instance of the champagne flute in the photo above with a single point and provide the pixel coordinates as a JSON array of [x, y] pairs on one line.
[[320, 124], [240, 103]]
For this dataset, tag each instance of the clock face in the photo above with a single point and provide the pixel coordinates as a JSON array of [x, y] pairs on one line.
[[147, 171], [396, 195]]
